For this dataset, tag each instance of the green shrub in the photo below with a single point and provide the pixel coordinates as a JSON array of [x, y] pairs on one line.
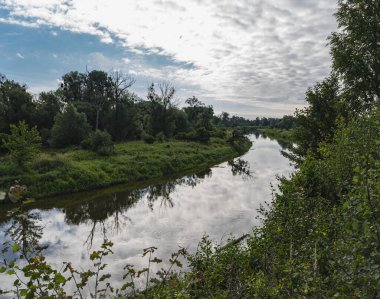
[[160, 137], [45, 136], [203, 135], [70, 128], [147, 138], [219, 133], [23, 143], [191, 135], [3, 149], [99, 142]]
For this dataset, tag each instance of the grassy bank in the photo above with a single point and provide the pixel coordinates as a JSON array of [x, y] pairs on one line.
[[73, 170]]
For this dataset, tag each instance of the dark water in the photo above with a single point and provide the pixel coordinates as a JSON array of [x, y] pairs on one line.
[[221, 201]]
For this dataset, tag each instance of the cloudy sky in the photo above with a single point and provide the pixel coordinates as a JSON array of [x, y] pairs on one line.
[[247, 57]]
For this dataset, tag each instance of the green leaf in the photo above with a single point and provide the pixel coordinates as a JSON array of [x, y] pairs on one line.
[[23, 292], [142, 271], [59, 278], [30, 295], [104, 277], [2, 269], [127, 285], [94, 255], [16, 247]]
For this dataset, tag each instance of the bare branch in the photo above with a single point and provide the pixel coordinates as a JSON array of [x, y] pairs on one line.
[[120, 83]]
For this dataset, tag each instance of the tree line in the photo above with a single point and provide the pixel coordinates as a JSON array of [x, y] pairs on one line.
[[102, 103], [95, 109]]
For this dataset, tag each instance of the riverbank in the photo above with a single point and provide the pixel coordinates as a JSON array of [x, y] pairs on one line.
[[278, 134], [72, 170]]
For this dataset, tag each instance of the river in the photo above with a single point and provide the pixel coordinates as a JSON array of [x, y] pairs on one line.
[[220, 202]]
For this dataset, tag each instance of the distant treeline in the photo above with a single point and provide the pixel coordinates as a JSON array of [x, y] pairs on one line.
[[97, 101], [286, 122]]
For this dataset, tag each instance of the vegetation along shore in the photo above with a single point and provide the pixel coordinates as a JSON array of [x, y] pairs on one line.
[[92, 132], [72, 170]]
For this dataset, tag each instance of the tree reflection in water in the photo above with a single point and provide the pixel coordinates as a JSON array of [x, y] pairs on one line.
[[24, 228], [240, 167], [164, 191], [105, 213]]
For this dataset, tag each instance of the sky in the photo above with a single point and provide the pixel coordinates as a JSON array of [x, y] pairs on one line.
[[251, 58]]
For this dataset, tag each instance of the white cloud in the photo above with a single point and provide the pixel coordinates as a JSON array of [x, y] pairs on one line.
[[97, 60], [19, 55], [126, 60], [242, 51]]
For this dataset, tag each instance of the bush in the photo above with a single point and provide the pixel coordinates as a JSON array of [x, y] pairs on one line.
[[160, 137], [3, 149], [203, 135], [219, 133], [99, 142], [186, 136], [45, 136], [23, 144], [70, 128], [147, 138]]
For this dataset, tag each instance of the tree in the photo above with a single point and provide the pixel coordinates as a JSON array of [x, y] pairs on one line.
[[194, 102], [72, 87], [356, 53], [179, 118], [164, 97], [98, 92], [94, 92], [22, 143], [286, 122], [225, 118], [204, 118], [70, 128], [48, 106], [160, 105], [122, 121], [120, 84], [16, 104], [317, 122], [193, 109]]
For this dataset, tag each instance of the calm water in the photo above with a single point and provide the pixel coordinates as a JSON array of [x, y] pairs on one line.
[[221, 201]]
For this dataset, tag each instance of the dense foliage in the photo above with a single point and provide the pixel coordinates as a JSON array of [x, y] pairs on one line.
[[320, 236], [70, 128], [80, 122], [96, 100], [99, 142]]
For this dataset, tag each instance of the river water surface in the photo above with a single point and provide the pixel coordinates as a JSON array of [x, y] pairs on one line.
[[221, 201]]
